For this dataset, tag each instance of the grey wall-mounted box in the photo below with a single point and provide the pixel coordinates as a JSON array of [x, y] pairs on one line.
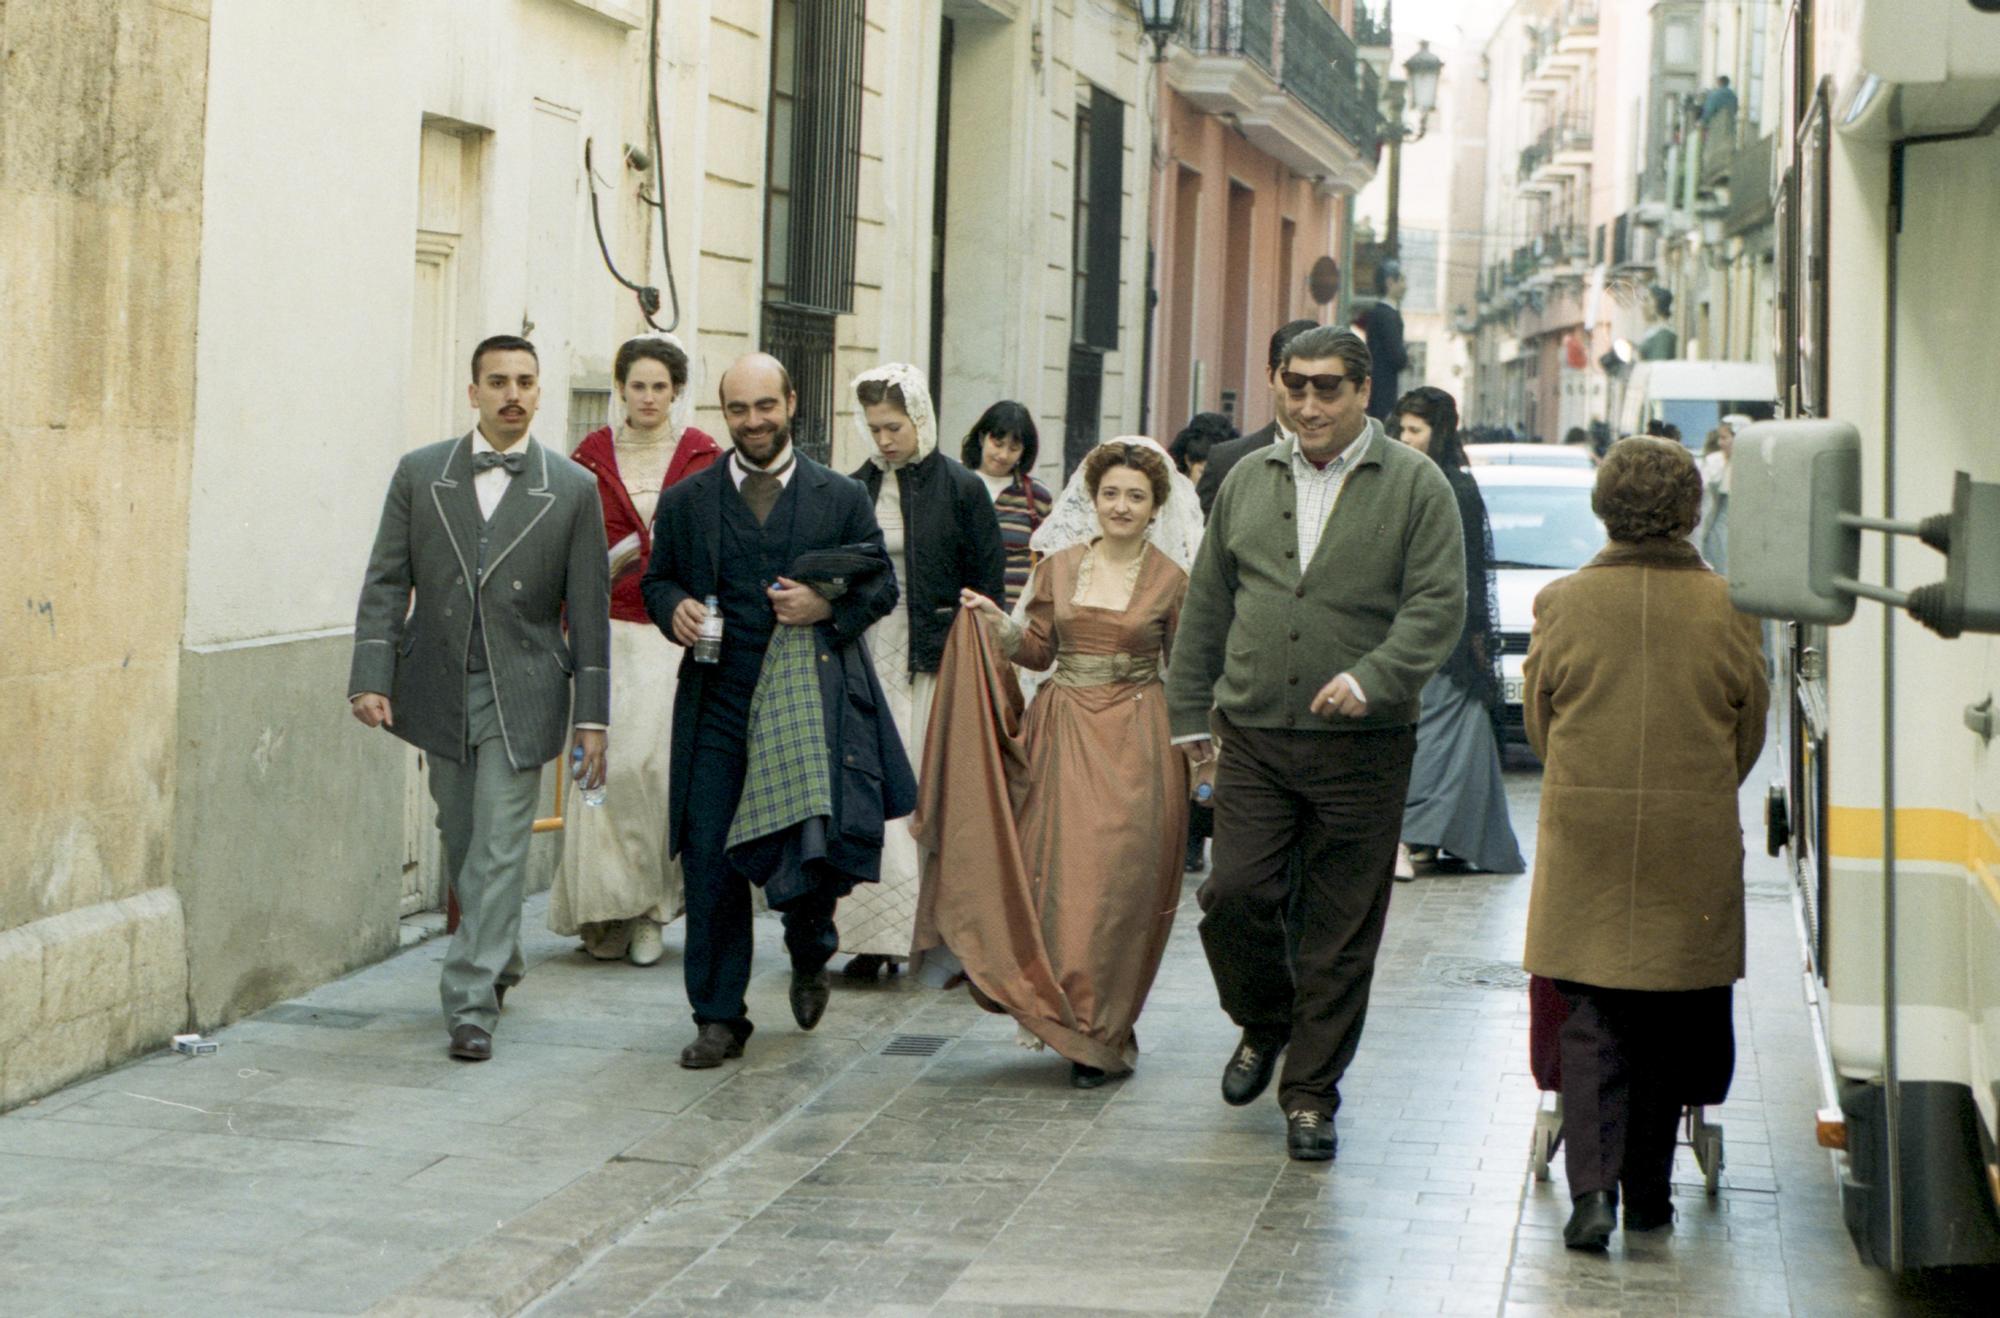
[[1789, 482]]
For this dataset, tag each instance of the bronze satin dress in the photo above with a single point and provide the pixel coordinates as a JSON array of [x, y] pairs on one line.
[[1104, 827]]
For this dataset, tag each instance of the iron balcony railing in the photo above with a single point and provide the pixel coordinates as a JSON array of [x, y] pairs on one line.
[[1371, 24], [1322, 67], [1236, 27], [1301, 44], [1570, 132]]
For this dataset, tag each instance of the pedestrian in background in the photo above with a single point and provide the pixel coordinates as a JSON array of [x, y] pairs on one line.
[[1223, 457], [1382, 323], [1712, 535], [616, 884], [1100, 828], [1196, 439], [1330, 587], [729, 535], [1457, 804], [1002, 447], [1646, 700], [1190, 451], [939, 528], [488, 545]]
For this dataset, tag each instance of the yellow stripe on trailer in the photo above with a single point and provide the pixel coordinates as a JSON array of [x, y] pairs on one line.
[[1949, 837]]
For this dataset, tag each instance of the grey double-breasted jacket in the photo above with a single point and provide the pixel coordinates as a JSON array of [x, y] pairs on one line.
[[545, 569]]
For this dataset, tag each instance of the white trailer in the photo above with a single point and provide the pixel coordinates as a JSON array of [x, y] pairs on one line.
[[1888, 193]]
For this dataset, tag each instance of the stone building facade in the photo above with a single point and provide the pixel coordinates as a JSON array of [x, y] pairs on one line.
[[101, 182], [256, 245], [1270, 125]]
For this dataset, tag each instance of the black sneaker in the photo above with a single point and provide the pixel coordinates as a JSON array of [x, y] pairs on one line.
[[1309, 1137], [1250, 1067]]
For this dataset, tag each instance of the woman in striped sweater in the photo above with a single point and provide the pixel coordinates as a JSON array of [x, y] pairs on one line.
[[1001, 448]]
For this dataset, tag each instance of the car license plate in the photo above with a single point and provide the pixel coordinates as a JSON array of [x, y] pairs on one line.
[[1512, 689]]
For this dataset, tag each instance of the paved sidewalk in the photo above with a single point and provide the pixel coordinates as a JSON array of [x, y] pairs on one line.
[[331, 1156], [977, 1183], [905, 1158]]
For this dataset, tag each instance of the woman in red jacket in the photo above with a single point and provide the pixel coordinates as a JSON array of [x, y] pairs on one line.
[[616, 885]]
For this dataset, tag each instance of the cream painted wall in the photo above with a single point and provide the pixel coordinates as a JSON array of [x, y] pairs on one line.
[[307, 273], [1008, 324]]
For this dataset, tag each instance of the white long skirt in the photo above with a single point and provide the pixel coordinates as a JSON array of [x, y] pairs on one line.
[[880, 919], [614, 857]]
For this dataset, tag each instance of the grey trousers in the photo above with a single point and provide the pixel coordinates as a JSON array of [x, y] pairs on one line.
[[486, 816]]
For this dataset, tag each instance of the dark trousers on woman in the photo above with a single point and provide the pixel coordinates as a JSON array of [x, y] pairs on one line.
[[1631, 1060], [1306, 825]]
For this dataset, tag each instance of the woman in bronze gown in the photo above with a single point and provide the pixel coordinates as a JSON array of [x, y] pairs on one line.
[[1102, 824]]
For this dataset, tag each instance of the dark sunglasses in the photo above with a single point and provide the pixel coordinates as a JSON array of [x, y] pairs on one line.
[[1326, 384]]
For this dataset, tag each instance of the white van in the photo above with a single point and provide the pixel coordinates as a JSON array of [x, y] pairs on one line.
[[1696, 395]]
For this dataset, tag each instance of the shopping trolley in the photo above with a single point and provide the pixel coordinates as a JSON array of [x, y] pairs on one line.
[[1546, 1012]]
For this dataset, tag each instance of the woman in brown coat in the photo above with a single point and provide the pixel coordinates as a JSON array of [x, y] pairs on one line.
[[1646, 701]]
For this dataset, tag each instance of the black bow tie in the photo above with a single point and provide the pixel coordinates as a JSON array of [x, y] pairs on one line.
[[486, 460]]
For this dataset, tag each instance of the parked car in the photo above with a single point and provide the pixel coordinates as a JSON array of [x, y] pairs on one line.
[[1528, 455], [1542, 529], [1696, 396]]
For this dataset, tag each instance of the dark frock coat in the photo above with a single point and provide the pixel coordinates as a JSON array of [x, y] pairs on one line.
[[872, 780]]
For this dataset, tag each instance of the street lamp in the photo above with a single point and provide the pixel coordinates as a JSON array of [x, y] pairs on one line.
[[1423, 69], [1161, 19]]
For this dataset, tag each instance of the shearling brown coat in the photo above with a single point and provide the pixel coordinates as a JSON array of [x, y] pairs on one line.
[[1645, 698]]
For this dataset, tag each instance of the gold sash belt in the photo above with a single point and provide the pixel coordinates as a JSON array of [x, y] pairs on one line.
[[1105, 669]]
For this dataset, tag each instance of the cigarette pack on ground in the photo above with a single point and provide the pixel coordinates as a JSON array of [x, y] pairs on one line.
[[194, 1045]]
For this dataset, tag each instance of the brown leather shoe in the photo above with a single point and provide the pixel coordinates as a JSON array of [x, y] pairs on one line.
[[469, 1043], [716, 1044]]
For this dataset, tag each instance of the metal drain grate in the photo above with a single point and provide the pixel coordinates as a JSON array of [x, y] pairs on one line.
[[915, 1045], [1471, 972]]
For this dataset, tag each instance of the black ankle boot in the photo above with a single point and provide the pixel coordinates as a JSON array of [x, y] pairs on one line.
[[1592, 1221]]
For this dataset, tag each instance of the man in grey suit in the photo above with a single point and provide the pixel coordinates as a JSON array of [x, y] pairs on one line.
[[488, 545], [1224, 456]]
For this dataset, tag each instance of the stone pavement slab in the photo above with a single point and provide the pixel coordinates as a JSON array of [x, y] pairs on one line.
[[331, 1158], [976, 1182]]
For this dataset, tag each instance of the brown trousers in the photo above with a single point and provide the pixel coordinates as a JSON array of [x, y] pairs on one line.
[[1306, 826]]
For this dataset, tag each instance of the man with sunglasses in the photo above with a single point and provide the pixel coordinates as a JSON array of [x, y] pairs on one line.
[[1329, 588]]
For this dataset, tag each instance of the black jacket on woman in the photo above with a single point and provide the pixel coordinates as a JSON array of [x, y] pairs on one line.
[[951, 540]]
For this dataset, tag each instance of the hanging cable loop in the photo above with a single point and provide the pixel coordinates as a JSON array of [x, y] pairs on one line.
[[648, 296]]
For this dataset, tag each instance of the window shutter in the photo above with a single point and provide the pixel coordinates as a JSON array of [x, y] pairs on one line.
[[826, 159], [1107, 197]]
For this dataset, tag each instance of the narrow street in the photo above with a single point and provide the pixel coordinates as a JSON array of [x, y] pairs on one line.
[[906, 1158]]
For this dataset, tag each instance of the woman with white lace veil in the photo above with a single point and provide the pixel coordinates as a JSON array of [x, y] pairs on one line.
[[1103, 827], [616, 885], [943, 536]]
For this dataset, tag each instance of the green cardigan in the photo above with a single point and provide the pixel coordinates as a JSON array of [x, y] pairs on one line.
[[1383, 598]]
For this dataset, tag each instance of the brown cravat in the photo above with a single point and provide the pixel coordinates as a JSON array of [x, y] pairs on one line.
[[760, 489]]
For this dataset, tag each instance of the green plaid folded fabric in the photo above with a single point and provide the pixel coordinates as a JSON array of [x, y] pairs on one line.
[[787, 779]]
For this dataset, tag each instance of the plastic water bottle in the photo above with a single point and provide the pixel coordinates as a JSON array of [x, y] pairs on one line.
[[708, 645], [592, 796], [1203, 793]]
